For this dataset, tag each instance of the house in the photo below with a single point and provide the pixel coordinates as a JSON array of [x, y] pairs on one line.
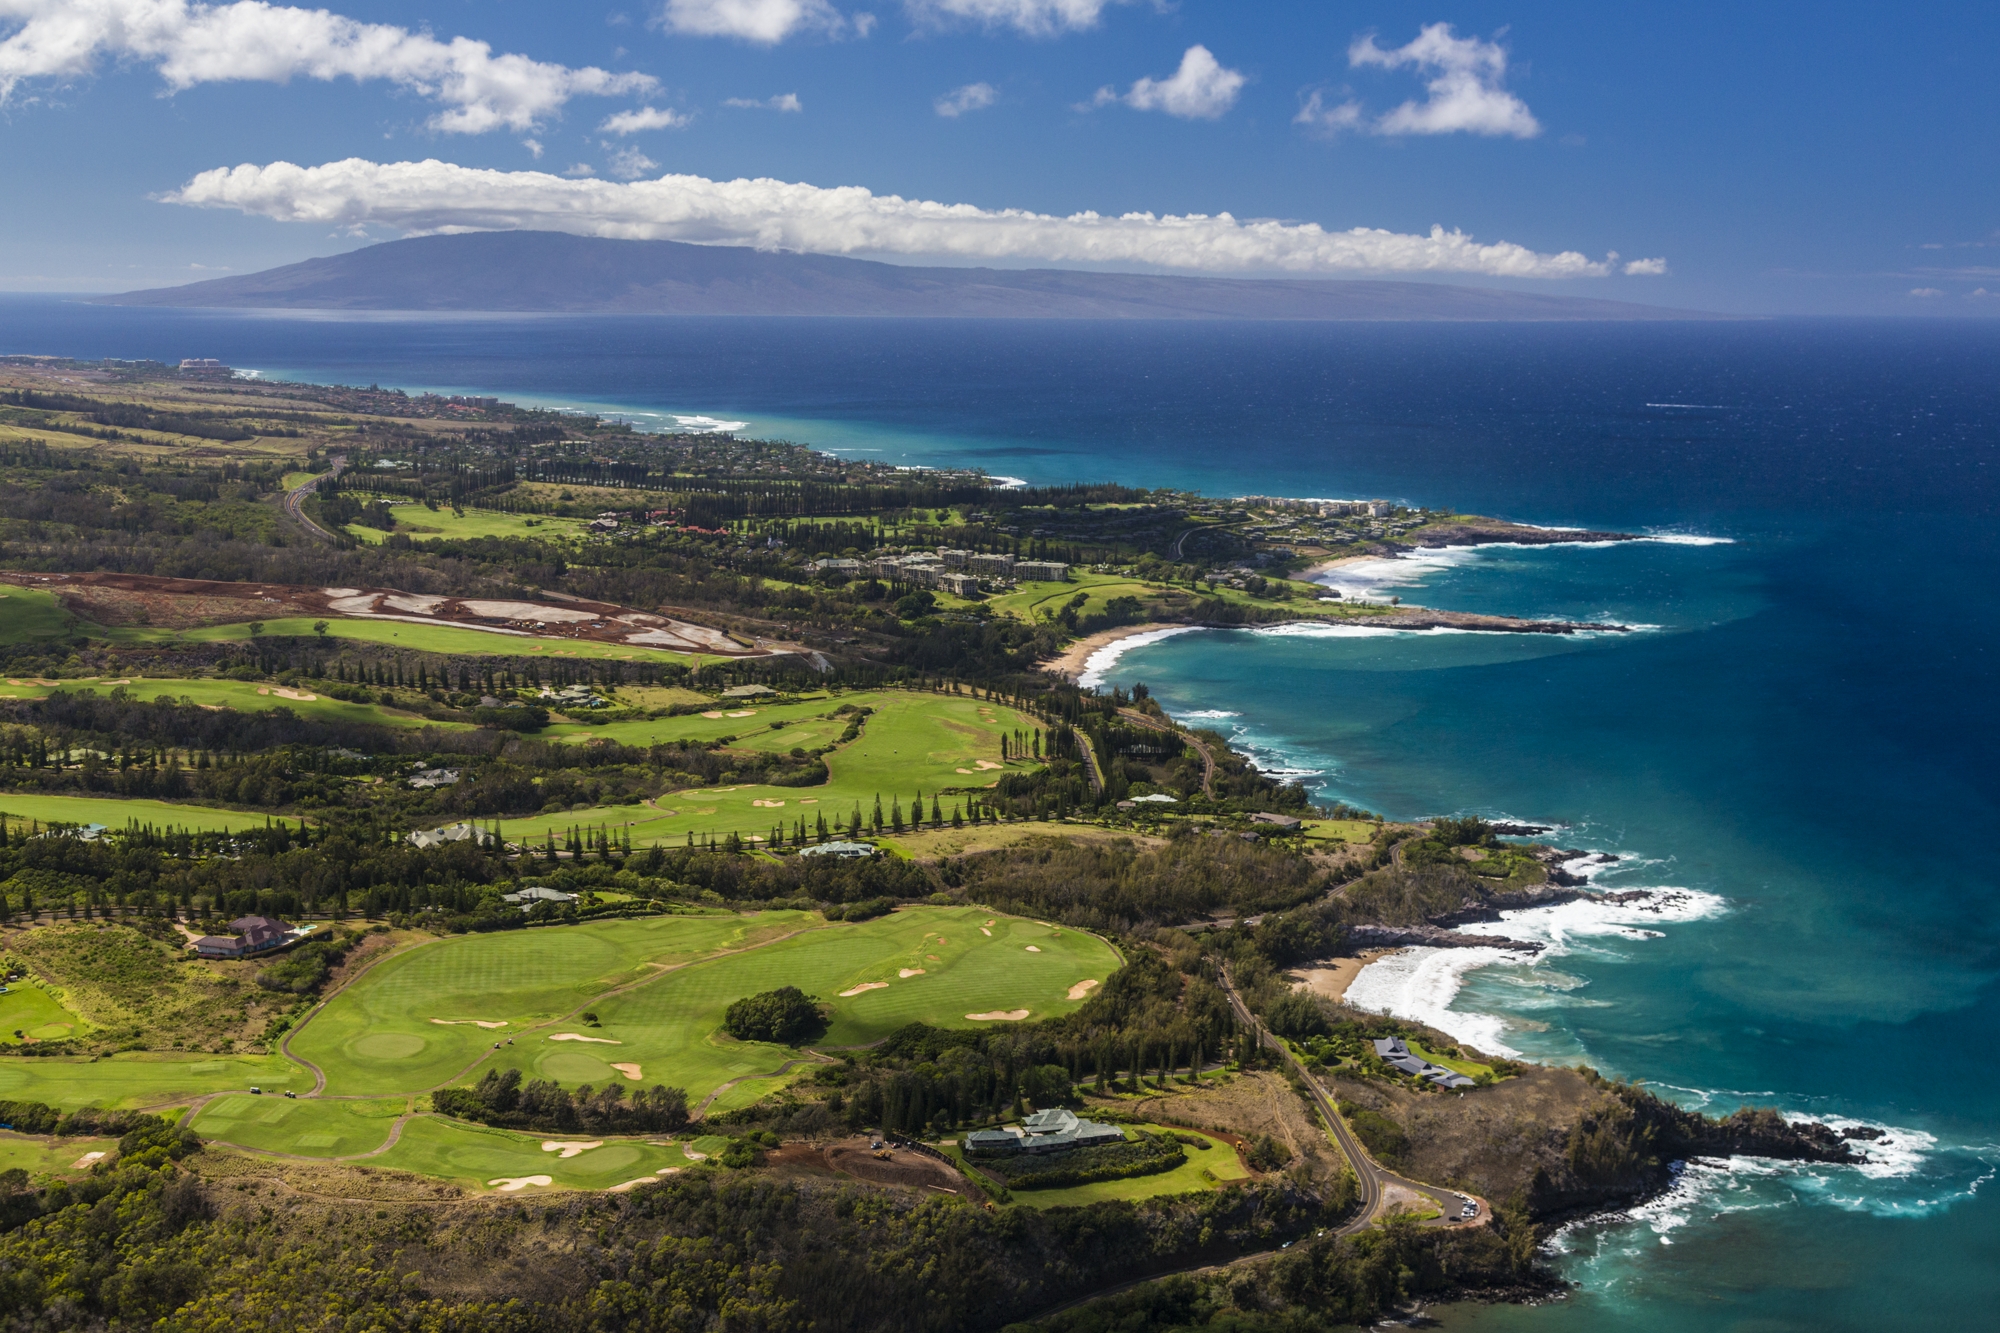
[[254, 935], [1380, 509], [601, 525], [747, 691], [434, 777], [1276, 821], [534, 893], [843, 850], [1043, 1132], [1397, 1055], [835, 566], [438, 837], [1157, 798]]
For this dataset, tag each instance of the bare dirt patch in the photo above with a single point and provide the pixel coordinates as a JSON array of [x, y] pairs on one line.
[[1246, 1107], [889, 1166]]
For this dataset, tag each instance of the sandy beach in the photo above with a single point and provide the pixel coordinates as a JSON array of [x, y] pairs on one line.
[[1337, 975], [1075, 657]]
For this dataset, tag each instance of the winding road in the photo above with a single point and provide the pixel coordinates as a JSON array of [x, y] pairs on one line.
[[1147, 722], [295, 500]]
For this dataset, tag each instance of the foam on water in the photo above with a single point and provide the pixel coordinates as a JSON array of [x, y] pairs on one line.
[[1209, 714], [1099, 664]]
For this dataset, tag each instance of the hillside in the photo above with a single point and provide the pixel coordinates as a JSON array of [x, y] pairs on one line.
[[552, 272]]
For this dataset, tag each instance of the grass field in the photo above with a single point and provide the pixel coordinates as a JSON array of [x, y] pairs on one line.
[[472, 1155], [138, 1079], [748, 725], [1339, 830], [671, 1028], [116, 812], [35, 1014], [313, 1127], [424, 525], [31, 615], [419, 638], [377, 1036], [1218, 1160], [914, 741], [46, 1156], [245, 696]]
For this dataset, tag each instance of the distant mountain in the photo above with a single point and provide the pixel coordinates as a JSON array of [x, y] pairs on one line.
[[554, 272]]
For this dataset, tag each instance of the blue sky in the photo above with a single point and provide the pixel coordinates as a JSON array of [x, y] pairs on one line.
[[1772, 157]]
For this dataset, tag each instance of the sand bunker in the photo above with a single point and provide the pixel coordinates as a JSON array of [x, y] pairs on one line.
[[1081, 989], [474, 1022], [714, 716], [853, 991], [769, 804], [742, 712], [908, 972], [984, 931], [630, 1071], [569, 1150], [999, 1016], [1034, 948], [509, 1184], [988, 763], [86, 1160], [578, 1036]]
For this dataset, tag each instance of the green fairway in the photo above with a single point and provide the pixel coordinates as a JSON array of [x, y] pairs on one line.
[[746, 724], [914, 742], [671, 1028], [245, 696], [116, 812], [411, 1023], [475, 1155], [40, 1156], [34, 1014], [428, 525], [139, 1079], [1219, 1161], [31, 615], [305, 1127], [418, 638]]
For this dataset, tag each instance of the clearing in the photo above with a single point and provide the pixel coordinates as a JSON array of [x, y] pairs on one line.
[[441, 524]]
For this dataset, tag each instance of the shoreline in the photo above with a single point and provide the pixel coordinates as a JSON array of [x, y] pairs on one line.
[[1332, 977], [1071, 663]]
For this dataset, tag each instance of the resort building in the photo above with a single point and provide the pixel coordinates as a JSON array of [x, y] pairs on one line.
[[1041, 571], [843, 850], [254, 935], [1396, 1054], [425, 839], [1044, 1131], [959, 585], [533, 894]]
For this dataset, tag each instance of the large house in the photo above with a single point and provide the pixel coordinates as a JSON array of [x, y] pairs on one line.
[[254, 935], [1396, 1054], [1044, 1131]]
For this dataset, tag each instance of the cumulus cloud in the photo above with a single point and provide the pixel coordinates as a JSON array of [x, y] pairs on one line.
[[1201, 89], [1036, 18], [628, 163], [766, 22], [433, 196], [1315, 114], [1464, 86], [194, 44], [645, 118], [782, 102], [972, 97], [1645, 268], [534, 147]]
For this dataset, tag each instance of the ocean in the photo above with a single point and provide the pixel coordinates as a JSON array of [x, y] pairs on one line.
[[1798, 739]]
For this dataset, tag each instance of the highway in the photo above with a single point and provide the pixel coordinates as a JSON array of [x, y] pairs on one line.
[[295, 501]]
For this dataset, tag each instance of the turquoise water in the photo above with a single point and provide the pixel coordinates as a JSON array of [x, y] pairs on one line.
[[1801, 742]]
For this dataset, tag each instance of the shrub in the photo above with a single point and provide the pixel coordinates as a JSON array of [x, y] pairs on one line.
[[786, 1016]]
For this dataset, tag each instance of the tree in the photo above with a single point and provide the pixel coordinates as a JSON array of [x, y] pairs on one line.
[[787, 1016], [319, 628], [256, 628]]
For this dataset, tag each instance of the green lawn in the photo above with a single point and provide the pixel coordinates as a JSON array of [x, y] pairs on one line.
[[306, 1127], [473, 1155], [245, 696], [28, 1009], [424, 525], [1340, 830], [1469, 1068], [377, 1036], [745, 723], [420, 638], [1219, 1160], [139, 1079], [43, 1156], [30, 615], [914, 741], [671, 1028], [116, 812]]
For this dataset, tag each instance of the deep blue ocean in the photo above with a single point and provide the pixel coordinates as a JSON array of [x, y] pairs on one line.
[[1803, 738]]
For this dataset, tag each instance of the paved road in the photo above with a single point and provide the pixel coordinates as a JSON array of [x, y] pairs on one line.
[[1378, 1184], [295, 500]]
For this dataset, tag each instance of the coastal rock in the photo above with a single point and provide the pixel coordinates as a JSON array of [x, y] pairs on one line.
[[1489, 907], [1486, 534], [1400, 937]]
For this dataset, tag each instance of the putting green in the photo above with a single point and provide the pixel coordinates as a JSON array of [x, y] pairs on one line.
[[116, 812], [473, 1155], [412, 1021], [244, 696], [914, 742], [35, 1015], [137, 1079], [671, 1028], [305, 1127]]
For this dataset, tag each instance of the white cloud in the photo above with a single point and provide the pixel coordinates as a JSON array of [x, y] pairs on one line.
[[972, 97], [1315, 114], [1201, 89], [1646, 268], [534, 147], [1465, 91], [433, 196], [781, 102], [575, 171], [628, 163], [764, 21], [1036, 18], [1926, 291], [252, 41], [645, 118]]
